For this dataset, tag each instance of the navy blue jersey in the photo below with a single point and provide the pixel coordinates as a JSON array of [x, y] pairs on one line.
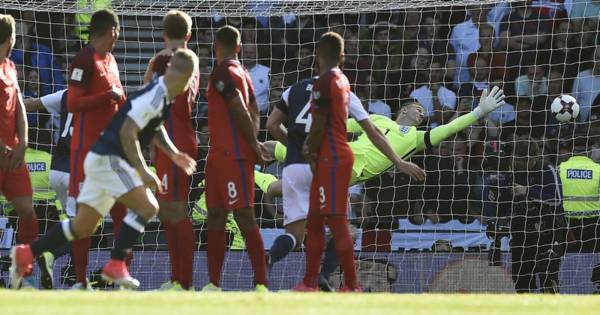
[[148, 108], [296, 105], [56, 103]]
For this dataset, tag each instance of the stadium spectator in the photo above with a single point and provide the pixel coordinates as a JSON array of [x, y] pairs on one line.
[[355, 68], [432, 34], [587, 86], [415, 71], [438, 101], [581, 9], [465, 40], [370, 94], [496, 59], [533, 83], [258, 73], [563, 54], [480, 72], [37, 54], [526, 30]]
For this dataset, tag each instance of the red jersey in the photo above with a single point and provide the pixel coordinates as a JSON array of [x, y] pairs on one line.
[[95, 75], [9, 100], [179, 124], [330, 96], [226, 140]]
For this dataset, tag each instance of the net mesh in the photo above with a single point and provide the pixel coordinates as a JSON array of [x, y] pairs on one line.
[[449, 233]]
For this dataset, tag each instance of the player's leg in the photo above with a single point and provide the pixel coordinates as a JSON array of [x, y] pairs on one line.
[[60, 235], [245, 218], [181, 240], [216, 220], [296, 181], [333, 194], [174, 216], [17, 189], [80, 247]]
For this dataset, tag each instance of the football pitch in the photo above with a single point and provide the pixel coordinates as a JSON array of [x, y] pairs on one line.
[[183, 303]]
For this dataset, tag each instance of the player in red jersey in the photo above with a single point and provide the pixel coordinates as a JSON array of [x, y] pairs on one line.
[[327, 150], [94, 96], [15, 183], [233, 125], [175, 183]]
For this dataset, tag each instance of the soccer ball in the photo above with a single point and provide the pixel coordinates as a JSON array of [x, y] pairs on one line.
[[565, 108]]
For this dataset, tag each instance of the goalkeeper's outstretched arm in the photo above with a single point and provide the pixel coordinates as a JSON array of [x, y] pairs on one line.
[[487, 104]]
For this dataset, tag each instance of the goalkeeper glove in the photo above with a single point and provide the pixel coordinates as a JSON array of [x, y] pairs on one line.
[[489, 102]]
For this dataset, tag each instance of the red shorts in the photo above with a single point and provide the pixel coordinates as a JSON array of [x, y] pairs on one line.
[[229, 184], [329, 188], [76, 176], [15, 183], [175, 182]]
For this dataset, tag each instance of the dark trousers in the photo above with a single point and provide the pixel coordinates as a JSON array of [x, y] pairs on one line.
[[584, 235], [529, 264]]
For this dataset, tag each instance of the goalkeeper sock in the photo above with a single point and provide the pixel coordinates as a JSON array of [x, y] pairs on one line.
[[118, 212], [330, 261], [80, 249], [28, 229], [215, 253], [282, 245], [186, 241], [172, 247], [256, 252], [133, 227], [344, 248], [60, 235], [315, 243]]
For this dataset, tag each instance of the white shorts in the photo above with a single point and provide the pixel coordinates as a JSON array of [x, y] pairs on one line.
[[107, 177], [59, 182], [296, 180]]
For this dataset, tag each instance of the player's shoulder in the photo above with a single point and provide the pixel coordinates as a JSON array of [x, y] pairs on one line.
[[85, 53]]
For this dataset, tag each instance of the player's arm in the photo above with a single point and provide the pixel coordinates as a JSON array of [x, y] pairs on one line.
[[182, 160], [17, 154], [383, 145], [487, 104], [50, 102], [133, 151], [149, 73], [275, 125], [33, 104], [277, 117]]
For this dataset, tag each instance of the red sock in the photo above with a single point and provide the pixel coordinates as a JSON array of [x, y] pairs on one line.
[[118, 212], [172, 247], [186, 241], [80, 248], [28, 229], [215, 253], [315, 244], [256, 252], [344, 248]]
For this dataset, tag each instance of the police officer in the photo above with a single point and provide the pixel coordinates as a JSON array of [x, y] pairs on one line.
[[580, 178], [537, 227]]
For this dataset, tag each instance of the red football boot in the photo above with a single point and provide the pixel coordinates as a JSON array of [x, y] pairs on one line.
[[116, 271], [301, 287], [21, 264]]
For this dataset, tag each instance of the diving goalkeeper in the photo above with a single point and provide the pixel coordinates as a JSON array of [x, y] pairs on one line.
[[403, 135]]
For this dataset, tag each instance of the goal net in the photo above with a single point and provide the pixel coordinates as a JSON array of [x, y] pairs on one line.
[[490, 183]]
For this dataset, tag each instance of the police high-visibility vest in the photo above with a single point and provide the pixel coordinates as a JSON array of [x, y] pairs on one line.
[[82, 20], [38, 164], [580, 178]]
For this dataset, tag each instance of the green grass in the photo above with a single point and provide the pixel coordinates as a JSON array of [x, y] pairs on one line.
[[183, 303]]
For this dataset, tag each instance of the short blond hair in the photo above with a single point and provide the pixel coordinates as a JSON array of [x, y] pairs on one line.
[[177, 24], [189, 59], [7, 27]]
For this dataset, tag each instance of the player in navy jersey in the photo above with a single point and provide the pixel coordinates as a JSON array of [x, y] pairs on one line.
[[56, 104], [116, 171], [297, 176]]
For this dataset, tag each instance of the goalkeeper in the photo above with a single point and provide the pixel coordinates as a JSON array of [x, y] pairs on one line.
[[403, 135]]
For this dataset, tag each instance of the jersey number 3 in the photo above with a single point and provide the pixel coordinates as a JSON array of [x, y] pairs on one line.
[[305, 117]]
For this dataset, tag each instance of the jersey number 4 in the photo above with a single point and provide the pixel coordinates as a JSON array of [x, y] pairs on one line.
[[305, 117]]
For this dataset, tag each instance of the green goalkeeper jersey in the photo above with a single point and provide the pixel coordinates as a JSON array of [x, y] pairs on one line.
[[369, 162]]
